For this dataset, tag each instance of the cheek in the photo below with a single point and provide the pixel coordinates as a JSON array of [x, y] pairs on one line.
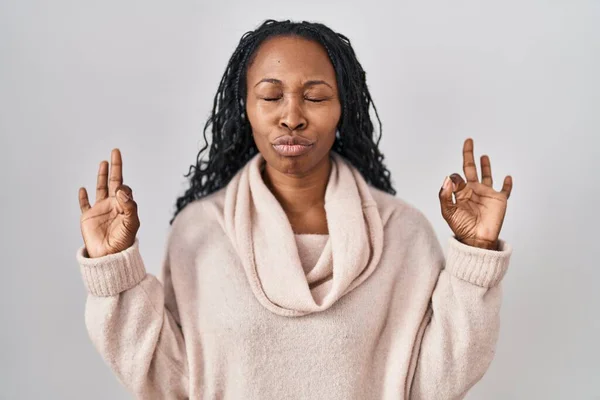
[[327, 118], [260, 126], [260, 116]]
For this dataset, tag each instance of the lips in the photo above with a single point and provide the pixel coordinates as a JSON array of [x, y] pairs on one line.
[[290, 146], [292, 140]]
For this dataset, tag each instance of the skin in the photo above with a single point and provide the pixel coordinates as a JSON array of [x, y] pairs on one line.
[[292, 90], [477, 215], [110, 226], [289, 64]]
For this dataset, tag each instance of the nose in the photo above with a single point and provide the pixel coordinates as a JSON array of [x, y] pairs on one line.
[[292, 117]]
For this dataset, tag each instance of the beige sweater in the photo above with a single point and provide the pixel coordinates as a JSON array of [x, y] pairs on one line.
[[240, 314]]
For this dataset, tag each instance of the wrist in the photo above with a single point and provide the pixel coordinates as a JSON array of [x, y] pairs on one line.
[[482, 244]]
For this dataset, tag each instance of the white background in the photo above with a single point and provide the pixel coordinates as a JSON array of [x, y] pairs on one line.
[[519, 77]]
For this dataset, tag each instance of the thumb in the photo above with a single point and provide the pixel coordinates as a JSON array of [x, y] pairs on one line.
[[445, 195], [125, 199]]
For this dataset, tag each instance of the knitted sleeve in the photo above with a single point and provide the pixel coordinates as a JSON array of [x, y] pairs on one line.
[[462, 322], [133, 325]]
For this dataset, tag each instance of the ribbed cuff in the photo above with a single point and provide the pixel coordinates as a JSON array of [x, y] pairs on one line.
[[481, 267], [111, 274]]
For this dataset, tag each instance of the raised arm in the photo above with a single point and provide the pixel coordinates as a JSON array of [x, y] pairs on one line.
[[461, 325], [129, 320]]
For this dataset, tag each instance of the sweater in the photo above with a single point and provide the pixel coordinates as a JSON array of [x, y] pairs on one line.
[[310, 247], [234, 314]]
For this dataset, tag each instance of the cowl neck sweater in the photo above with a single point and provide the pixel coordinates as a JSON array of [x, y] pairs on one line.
[[383, 314], [264, 240]]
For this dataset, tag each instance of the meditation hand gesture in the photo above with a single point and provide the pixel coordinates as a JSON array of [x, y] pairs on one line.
[[111, 224], [476, 217]]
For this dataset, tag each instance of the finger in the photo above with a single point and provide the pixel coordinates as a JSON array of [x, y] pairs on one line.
[[101, 188], [507, 186], [445, 195], [486, 171], [116, 172], [84, 203], [469, 166], [124, 196], [458, 181]]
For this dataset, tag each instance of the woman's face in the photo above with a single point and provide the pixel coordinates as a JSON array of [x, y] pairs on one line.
[[292, 93]]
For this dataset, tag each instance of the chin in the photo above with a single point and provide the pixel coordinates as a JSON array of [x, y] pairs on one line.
[[298, 165], [291, 165]]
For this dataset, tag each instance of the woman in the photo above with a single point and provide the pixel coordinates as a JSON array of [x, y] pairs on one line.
[[291, 269]]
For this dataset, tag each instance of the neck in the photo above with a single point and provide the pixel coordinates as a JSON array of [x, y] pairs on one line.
[[298, 194]]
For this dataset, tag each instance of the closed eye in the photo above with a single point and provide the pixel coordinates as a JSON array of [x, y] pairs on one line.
[[313, 100]]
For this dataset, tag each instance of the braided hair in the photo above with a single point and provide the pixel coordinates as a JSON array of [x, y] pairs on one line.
[[232, 144]]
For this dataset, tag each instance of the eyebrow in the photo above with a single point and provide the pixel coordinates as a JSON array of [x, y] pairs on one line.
[[307, 83]]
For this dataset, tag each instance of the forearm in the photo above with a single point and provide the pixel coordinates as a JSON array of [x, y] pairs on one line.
[[459, 341], [131, 328], [140, 341]]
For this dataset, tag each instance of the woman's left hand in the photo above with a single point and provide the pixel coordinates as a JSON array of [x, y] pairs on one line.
[[477, 216]]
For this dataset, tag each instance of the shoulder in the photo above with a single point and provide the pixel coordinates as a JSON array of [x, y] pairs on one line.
[[200, 216], [407, 229], [396, 210]]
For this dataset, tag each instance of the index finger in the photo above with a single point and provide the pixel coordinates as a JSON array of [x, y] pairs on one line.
[[116, 172], [469, 166]]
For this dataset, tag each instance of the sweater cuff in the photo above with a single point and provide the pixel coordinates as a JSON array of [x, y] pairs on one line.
[[111, 274], [481, 267]]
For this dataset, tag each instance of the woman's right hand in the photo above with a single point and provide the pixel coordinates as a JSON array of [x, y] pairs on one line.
[[110, 226]]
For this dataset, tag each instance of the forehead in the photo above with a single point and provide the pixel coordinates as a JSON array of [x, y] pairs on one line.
[[283, 56]]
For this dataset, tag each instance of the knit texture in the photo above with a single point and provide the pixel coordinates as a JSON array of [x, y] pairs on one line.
[[114, 273], [240, 313], [310, 248], [262, 236]]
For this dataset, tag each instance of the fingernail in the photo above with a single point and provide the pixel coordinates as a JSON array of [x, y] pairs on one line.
[[123, 196], [446, 181]]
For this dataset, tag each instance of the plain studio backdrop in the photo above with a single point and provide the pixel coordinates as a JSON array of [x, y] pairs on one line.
[[520, 77]]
